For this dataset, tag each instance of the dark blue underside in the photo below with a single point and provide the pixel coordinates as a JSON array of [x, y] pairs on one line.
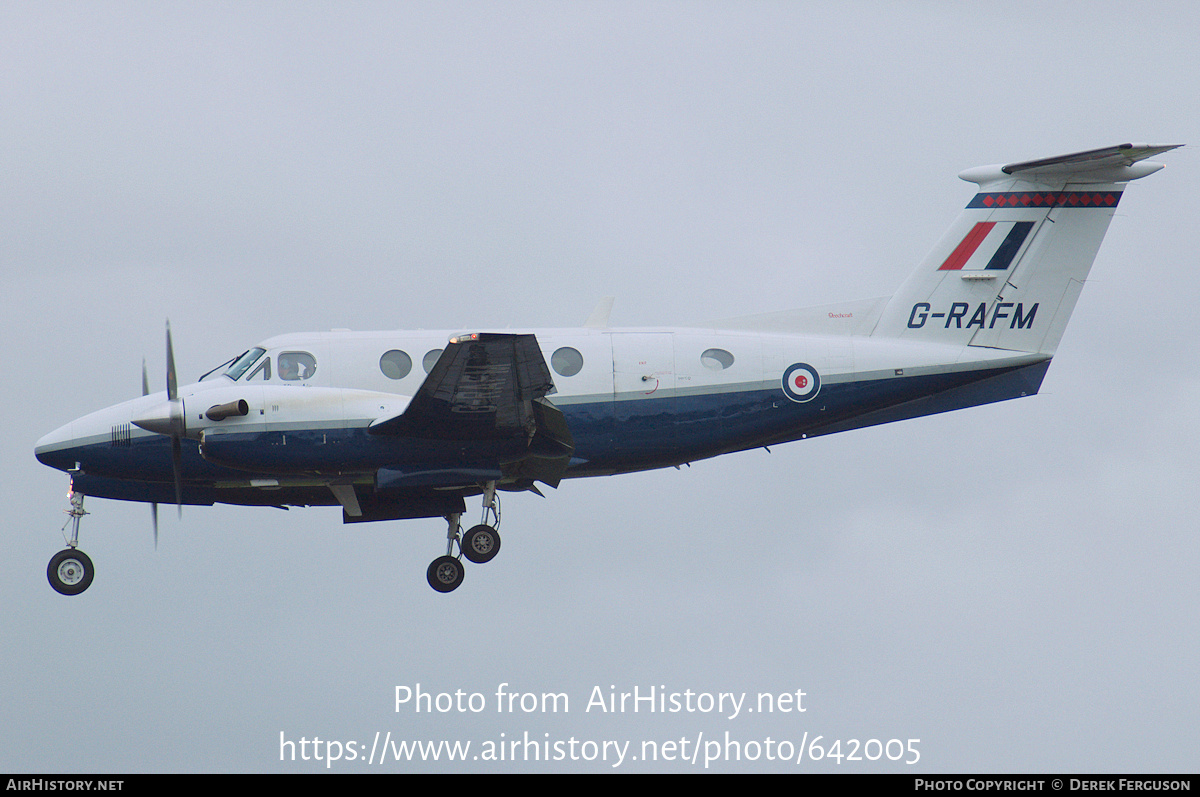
[[610, 437]]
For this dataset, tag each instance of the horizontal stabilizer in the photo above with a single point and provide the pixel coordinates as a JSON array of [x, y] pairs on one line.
[[1118, 164], [1092, 159]]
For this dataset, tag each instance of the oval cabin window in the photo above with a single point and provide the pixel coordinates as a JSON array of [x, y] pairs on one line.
[[430, 360], [716, 359], [395, 364], [566, 361]]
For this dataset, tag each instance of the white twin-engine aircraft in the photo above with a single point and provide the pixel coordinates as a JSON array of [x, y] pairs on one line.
[[394, 425]]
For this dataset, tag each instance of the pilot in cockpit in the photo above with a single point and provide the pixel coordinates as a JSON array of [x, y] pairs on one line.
[[295, 366], [289, 369]]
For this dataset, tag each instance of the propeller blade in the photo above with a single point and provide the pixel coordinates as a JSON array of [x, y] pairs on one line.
[[167, 419], [172, 387], [177, 466]]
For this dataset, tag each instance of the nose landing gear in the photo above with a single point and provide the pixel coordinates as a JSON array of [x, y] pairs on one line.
[[70, 570]]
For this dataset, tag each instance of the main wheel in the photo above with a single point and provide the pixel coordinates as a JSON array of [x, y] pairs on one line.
[[70, 571], [445, 574], [481, 544]]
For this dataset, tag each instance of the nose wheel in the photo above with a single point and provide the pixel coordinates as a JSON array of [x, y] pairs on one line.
[[70, 571]]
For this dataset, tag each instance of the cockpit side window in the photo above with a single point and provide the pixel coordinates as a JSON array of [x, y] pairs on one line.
[[296, 365], [242, 363], [263, 370]]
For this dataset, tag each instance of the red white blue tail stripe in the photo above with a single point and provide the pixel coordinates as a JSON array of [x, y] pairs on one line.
[[989, 245]]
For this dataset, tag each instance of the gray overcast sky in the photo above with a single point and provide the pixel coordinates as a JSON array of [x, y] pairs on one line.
[[1013, 585]]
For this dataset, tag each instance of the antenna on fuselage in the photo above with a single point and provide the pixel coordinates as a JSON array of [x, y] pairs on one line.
[[599, 317]]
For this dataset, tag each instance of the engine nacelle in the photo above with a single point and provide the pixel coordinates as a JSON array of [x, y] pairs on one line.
[[285, 429]]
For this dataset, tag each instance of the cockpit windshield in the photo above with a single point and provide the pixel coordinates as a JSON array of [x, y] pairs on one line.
[[241, 364], [220, 368]]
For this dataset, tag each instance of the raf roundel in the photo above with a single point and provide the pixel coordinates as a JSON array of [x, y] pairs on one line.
[[801, 382]]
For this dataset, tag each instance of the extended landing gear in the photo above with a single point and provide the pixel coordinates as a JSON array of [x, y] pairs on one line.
[[70, 571], [480, 544]]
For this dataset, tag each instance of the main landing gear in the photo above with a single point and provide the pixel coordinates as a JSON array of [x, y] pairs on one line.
[[70, 570], [480, 544]]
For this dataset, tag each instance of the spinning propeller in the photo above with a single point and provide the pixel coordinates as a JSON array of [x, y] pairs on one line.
[[166, 419]]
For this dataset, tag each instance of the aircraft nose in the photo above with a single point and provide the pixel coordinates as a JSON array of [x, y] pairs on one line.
[[53, 449], [99, 439]]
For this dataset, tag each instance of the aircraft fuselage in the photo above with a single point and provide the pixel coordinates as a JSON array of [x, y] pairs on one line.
[[633, 400]]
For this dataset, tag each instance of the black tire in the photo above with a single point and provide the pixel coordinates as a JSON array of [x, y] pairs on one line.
[[70, 571], [445, 574], [481, 544]]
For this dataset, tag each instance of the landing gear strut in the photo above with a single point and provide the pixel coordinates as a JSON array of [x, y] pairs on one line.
[[70, 570], [480, 544]]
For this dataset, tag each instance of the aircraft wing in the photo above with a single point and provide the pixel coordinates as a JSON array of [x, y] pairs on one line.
[[479, 389], [490, 388]]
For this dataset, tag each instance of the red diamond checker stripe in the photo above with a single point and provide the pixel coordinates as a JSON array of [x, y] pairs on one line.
[[1047, 199]]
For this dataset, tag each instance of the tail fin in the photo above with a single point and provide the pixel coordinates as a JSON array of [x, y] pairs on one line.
[[1008, 272]]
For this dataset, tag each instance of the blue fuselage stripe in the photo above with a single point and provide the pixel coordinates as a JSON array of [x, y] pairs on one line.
[[609, 437]]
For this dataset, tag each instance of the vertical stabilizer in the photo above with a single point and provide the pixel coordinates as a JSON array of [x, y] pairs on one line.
[[1009, 270]]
